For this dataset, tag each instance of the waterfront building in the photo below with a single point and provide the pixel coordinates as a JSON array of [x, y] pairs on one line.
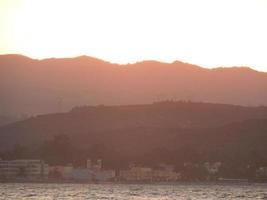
[[137, 174], [23, 168], [82, 174], [61, 171], [165, 175], [104, 175], [96, 166], [148, 174]]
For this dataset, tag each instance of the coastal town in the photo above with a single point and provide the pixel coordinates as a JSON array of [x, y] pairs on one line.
[[93, 171], [90, 172]]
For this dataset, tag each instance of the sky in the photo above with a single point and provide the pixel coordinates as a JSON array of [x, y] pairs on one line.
[[209, 33]]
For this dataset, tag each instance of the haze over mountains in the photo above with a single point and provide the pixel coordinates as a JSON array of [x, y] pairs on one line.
[[170, 132], [29, 86], [121, 124]]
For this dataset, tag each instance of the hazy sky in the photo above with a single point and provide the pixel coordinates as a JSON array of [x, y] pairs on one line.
[[209, 33]]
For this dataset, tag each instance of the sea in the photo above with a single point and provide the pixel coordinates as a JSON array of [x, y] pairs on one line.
[[41, 191]]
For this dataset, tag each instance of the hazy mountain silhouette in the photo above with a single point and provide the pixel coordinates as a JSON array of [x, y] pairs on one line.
[[172, 132], [54, 85], [102, 122]]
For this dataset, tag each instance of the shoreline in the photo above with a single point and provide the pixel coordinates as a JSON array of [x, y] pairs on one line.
[[134, 182]]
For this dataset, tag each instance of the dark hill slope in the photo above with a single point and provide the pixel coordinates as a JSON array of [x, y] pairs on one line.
[[100, 124]]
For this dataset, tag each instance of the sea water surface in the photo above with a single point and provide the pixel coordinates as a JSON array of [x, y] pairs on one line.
[[131, 191]]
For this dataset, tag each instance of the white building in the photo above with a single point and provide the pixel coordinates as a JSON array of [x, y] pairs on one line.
[[82, 174], [23, 168], [104, 175]]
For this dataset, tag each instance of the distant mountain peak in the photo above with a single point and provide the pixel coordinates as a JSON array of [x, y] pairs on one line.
[[15, 57], [239, 69], [89, 58], [187, 65], [149, 63]]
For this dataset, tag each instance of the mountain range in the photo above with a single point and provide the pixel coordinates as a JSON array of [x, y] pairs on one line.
[[29, 86]]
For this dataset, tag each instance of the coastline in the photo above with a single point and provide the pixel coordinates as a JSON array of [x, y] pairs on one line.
[[52, 181]]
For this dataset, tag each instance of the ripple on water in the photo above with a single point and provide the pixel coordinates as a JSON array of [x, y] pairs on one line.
[[132, 192]]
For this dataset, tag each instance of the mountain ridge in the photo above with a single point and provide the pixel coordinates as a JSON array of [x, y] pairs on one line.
[[30, 86], [91, 58]]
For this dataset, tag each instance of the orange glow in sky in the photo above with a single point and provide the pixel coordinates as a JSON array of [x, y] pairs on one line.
[[210, 33]]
